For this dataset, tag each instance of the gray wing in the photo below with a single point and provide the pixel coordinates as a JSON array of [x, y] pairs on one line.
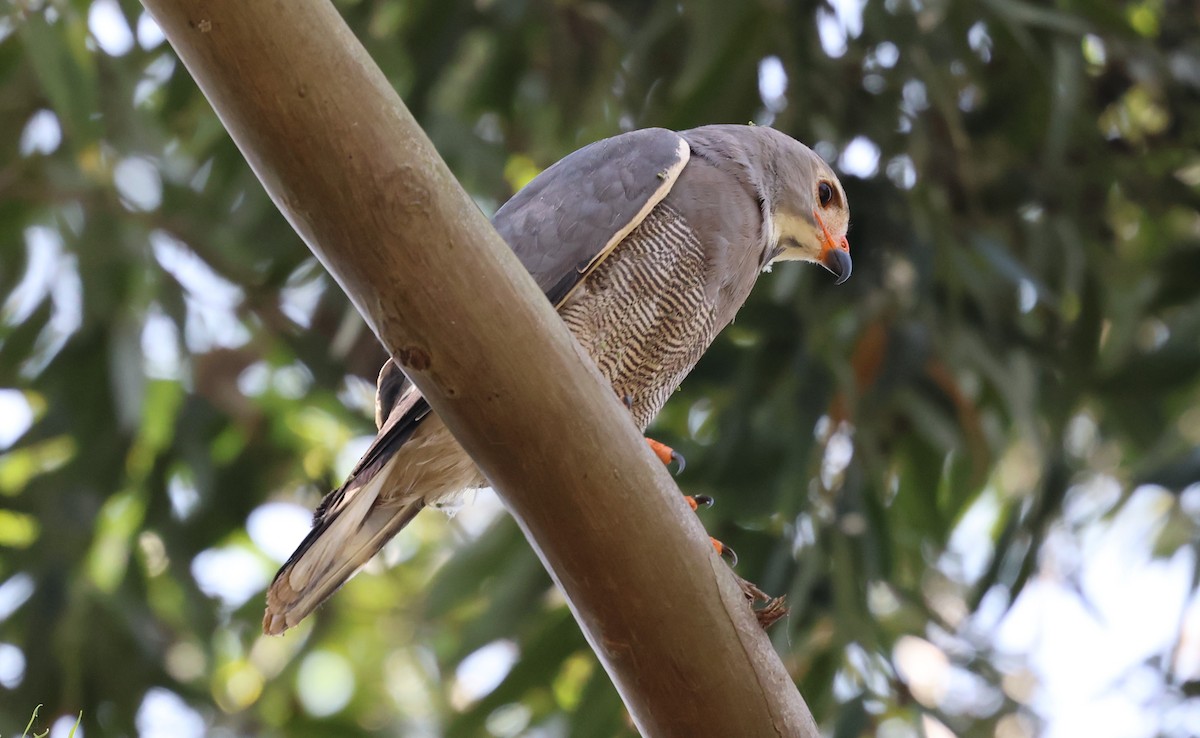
[[571, 216]]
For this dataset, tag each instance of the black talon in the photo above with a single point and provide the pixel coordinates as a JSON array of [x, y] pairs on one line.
[[702, 500], [680, 462], [726, 551]]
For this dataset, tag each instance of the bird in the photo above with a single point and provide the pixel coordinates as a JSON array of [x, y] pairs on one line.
[[647, 243]]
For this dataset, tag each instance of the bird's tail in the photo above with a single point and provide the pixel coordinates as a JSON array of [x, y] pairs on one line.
[[339, 544]]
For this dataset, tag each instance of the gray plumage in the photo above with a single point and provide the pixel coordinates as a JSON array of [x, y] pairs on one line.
[[647, 243]]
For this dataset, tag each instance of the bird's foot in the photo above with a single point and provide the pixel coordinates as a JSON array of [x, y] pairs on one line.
[[724, 551], [666, 455], [698, 501]]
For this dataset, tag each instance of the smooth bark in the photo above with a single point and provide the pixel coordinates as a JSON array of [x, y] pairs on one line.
[[359, 181]]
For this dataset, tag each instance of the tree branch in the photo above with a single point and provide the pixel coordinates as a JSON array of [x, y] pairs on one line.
[[356, 177]]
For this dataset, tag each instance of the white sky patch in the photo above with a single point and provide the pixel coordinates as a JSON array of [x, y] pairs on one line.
[[43, 252], [1027, 296], [64, 727], [184, 496], [839, 451], [804, 533], [138, 183], [143, 91], [1093, 50], [772, 83], [831, 33], [924, 667], [232, 575], [902, 172], [860, 158], [887, 54], [481, 672], [14, 593], [67, 295], [934, 728], [484, 508], [149, 34], [196, 276], [49, 272], [980, 41], [292, 381], [278, 527], [16, 416], [1080, 439], [161, 357], [837, 28], [109, 27], [1186, 662], [299, 301], [1088, 636], [153, 78], [12, 666], [870, 668], [211, 299], [325, 683], [254, 379], [349, 454], [164, 714], [1095, 496], [208, 326], [357, 394], [42, 134], [970, 549], [200, 178], [915, 97]]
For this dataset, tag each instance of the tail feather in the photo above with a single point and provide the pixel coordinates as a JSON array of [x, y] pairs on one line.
[[339, 544]]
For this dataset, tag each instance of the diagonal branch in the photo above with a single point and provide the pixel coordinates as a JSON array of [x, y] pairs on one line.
[[356, 177]]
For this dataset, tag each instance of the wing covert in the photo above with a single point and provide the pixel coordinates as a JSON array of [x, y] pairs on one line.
[[564, 222]]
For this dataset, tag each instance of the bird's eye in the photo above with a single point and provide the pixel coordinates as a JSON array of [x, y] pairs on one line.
[[825, 194]]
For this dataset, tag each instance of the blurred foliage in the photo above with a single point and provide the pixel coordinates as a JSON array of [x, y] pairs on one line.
[[1021, 337]]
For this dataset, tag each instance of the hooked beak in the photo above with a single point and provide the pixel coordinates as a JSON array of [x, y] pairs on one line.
[[834, 256]]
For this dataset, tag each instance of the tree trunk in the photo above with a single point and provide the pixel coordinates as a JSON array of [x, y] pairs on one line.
[[356, 177]]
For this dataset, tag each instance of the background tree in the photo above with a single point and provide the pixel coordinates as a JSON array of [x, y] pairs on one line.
[[971, 467]]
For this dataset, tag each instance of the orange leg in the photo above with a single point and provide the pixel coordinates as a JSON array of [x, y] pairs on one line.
[[666, 455], [724, 551]]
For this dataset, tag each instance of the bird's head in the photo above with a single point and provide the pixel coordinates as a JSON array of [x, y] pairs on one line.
[[809, 215], [804, 208]]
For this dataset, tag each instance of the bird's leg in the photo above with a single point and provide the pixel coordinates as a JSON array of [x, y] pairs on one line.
[[724, 551], [666, 455], [696, 502]]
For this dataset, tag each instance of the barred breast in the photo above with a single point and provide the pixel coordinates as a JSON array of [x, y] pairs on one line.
[[642, 314]]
